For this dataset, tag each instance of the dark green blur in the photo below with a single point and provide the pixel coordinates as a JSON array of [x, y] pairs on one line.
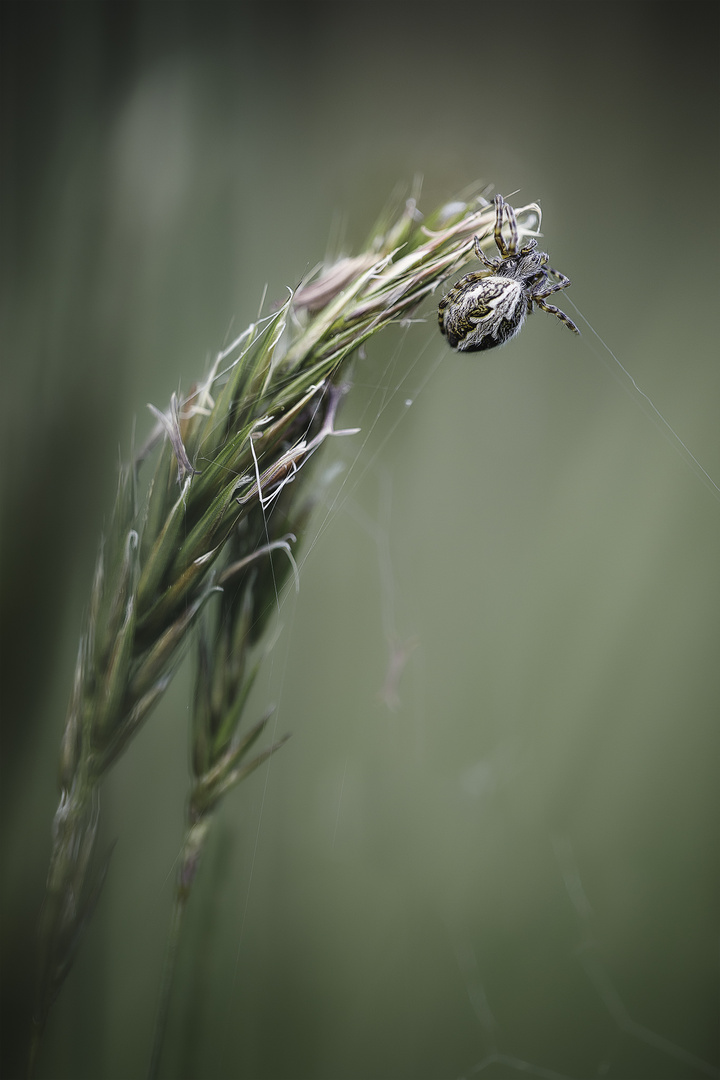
[[509, 846]]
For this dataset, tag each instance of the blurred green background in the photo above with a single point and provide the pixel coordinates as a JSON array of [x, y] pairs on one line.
[[506, 860]]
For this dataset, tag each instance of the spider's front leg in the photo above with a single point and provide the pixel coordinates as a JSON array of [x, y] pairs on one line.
[[492, 264], [546, 287], [502, 208], [552, 310], [499, 214]]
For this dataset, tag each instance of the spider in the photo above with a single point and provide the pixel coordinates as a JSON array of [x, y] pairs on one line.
[[484, 310]]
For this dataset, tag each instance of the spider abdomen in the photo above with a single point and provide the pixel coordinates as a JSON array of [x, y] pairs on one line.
[[482, 312]]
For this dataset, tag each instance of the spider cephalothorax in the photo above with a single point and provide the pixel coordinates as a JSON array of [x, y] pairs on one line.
[[487, 309]]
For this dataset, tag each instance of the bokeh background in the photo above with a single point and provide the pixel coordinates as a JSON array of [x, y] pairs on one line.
[[504, 860]]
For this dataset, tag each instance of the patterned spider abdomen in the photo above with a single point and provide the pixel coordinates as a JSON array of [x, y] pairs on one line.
[[482, 312]]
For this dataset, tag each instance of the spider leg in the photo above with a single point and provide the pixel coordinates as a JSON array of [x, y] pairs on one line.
[[561, 277], [511, 248], [552, 310], [469, 279], [499, 214], [492, 264], [529, 247], [547, 287], [441, 311]]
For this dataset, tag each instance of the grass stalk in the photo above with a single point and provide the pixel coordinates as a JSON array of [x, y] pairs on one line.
[[202, 553]]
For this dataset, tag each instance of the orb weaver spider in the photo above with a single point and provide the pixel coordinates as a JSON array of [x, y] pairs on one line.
[[484, 310]]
